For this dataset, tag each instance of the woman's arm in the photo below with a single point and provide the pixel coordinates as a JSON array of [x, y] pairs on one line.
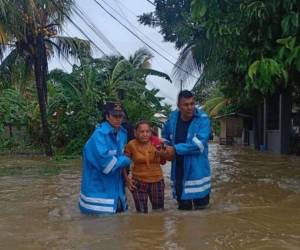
[[130, 184], [128, 180]]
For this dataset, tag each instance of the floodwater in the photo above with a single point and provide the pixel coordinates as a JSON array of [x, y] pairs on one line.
[[255, 205]]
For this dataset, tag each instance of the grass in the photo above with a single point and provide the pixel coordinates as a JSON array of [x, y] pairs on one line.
[[39, 166], [20, 159], [26, 171]]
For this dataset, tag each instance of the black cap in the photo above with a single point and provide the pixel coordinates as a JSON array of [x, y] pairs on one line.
[[114, 108]]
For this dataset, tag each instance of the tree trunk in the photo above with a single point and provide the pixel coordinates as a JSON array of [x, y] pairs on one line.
[[258, 126], [10, 130], [286, 125], [40, 71]]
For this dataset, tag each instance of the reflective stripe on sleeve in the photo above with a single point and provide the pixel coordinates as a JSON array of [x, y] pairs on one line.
[[110, 165]]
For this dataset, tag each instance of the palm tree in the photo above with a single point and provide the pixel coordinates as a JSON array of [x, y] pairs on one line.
[[141, 59], [80, 95], [215, 105], [28, 29], [118, 77], [132, 73]]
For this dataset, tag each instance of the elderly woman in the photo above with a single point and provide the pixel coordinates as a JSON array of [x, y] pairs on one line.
[[147, 153]]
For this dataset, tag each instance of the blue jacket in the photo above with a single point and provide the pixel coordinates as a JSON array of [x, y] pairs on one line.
[[102, 183], [197, 176]]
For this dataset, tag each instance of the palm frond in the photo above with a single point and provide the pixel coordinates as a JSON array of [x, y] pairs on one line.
[[186, 64], [214, 105], [3, 35], [130, 84], [153, 72], [15, 70], [3, 7], [58, 75], [4, 39], [9, 60], [141, 58], [152, 98], [215, 111], [54, 11], [122, 67], [72, 47], [3, 50]]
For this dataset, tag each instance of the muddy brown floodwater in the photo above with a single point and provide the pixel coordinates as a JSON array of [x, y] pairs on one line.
[[255, 205]]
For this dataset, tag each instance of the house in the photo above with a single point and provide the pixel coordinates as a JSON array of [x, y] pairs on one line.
[[234, 128], [162, 118], [273, 124]]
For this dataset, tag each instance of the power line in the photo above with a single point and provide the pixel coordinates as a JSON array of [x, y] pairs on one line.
[[66, 58], [151, 2], [167, 96], [83, 16], [135, 28], [122, 14], [81, 31], [119, 23], [149, 46], [98, 33]]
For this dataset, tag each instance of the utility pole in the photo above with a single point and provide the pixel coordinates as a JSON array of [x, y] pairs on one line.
[[181, 83]]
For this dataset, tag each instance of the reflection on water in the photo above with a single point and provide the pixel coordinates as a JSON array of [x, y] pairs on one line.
[[255, 205]]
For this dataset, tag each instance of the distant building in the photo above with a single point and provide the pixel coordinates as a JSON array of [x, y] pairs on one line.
[[235, 129], [162, 118]]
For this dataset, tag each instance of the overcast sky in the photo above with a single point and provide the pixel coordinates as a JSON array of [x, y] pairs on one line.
[[124, 41]]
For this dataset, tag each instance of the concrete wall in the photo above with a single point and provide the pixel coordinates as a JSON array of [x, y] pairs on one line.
[[223, 128], [273, 141], [251, 138], [234, 127]]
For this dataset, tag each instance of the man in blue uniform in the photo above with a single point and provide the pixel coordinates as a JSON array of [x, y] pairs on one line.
[[188, 130], [102, 184]]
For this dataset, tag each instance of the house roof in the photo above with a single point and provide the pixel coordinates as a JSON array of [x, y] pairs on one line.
[[234, 114]]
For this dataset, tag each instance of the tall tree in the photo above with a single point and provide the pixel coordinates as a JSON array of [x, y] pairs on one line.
[[76, 99], [249, 47], [28, 29]]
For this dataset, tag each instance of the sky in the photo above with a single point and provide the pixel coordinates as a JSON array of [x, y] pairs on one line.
[[126, 43]]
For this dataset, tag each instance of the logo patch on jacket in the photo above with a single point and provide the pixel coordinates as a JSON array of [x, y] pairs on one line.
[[112, 152]]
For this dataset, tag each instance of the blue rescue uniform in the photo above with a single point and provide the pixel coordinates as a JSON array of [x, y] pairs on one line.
[[196, 180], [102, 184]]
